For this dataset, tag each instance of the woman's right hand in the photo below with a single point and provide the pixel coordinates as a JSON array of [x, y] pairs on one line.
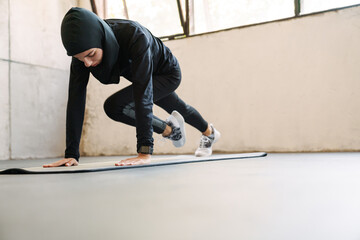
[[63, 162]]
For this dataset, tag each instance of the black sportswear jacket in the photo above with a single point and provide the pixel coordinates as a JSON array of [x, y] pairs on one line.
[[141, 55]]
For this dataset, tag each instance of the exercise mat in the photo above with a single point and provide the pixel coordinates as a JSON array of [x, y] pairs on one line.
[[110, 165]]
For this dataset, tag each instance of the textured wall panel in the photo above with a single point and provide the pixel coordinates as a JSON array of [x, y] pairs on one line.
[[4, 110], [38, 99], [35, 32], [4, 29]]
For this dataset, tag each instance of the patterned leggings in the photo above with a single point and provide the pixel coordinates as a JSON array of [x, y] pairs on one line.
[[120, 106]]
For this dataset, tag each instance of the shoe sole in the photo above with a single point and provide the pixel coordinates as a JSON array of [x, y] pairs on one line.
[[203, 154], [181, 122]]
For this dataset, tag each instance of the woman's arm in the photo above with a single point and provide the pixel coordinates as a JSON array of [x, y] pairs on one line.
[[141, 72], [79, 77]]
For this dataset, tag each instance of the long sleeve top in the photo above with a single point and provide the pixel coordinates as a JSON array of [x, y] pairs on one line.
[[141, 55]]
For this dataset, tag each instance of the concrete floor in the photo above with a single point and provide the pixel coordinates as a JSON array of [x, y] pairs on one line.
[[281, 196]]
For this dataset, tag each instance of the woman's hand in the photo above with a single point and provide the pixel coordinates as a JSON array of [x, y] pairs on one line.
[[139, 160], [63, 162]]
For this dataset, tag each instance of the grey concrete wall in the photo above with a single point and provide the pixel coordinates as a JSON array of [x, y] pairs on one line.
[[34, 92], [284, 86], [4, 110], [4, 80], [38, 102]]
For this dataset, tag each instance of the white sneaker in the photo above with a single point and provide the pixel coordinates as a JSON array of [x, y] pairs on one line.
[[206, 143], [177, 124]]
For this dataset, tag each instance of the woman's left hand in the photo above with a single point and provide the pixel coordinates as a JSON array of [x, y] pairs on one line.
[[139, 160]]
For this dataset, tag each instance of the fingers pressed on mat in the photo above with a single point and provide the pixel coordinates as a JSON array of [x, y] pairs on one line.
[[132, 161], [72, 162], [63, 162]]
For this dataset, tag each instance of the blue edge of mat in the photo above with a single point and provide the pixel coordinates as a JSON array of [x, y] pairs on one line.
[[23, 171]]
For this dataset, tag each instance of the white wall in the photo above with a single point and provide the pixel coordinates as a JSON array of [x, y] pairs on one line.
[[4, 81], [284, 86], [34, 92], [4, 110]]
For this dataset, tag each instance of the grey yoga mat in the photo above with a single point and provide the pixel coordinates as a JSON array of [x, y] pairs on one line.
[[107, 166]]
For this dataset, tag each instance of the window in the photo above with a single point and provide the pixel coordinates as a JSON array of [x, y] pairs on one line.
[[212, 15], [309, 6], [172, 18], [160, 17]]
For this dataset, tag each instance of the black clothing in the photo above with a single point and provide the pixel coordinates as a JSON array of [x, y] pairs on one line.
[[142, 59], [120, 105], [82, 30]]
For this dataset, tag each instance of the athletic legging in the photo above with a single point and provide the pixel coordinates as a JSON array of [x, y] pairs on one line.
[[120, 106]]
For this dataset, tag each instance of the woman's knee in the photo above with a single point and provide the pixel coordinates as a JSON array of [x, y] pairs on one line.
[[109, 108], [118, 112]]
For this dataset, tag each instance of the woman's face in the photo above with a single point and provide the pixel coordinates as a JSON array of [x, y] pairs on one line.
[[91, 57]]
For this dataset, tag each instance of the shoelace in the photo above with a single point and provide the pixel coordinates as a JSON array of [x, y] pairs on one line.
[[175, 134], [205, 142]]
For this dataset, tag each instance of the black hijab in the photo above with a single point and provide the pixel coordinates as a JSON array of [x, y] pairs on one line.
[[82, 30]]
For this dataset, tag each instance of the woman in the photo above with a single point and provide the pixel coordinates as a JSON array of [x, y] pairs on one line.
[[112, 48]]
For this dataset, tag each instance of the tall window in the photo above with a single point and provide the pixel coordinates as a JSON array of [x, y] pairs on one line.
[[171, 18], [161, 17], [309, 6], [212, 15]]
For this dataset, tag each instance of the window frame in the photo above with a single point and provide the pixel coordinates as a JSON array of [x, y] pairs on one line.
[[186, 21]]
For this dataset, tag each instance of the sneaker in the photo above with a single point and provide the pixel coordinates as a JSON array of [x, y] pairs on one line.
[[206, 143], [177, 124]]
